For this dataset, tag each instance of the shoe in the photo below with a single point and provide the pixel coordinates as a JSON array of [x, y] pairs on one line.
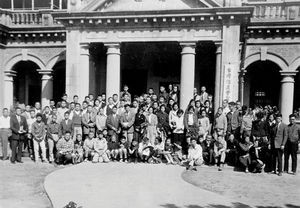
[[294, 173], [126, 160], [194, 169], [280, 174], [286, 172], [12, 162], [121, 160], [43, 161], [219, 169], [20, 161], [85, 160]]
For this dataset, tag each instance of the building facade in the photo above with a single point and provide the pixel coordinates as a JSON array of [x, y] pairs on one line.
[[240, 50]]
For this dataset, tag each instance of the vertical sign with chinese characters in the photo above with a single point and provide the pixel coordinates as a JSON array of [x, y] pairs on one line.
[[230, 82]]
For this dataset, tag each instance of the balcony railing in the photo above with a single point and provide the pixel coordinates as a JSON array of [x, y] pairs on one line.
[[275, 11], [25, 18]]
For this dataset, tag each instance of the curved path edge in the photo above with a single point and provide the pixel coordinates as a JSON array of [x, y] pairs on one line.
[[118, 185]]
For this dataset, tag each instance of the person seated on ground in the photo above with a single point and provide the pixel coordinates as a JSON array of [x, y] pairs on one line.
[[195, 156], [77, 156], [65, 148], [168, 151], [100, 147], [123, 151], [220, 146], [113, 149], [88, 146], [256, 165], [144, 149], [133, 151], [157, 150], [177, 153], [208, 149], [244, 157], [232, 150]]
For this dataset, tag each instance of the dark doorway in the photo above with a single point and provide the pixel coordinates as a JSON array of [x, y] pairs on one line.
[[59, 80], [145, 65], [262, 85], [27, 83], [205, 66]]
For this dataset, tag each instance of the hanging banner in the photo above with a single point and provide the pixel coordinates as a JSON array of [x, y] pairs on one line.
[[230, 82]]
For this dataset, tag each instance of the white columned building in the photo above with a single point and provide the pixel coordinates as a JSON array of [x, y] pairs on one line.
[[287, 94], [113, 69], [187, 75], [47, 87]]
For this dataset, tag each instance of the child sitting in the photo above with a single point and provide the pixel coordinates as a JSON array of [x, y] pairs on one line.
[[100, 147], [113, 148], [144, 149], [168, 152], [177, 154], [220, 146], [157, 150], [123, 149], [133, 151], [88, 147], [77, 156]]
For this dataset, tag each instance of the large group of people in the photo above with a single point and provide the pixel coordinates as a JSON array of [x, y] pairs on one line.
[[151, 128]]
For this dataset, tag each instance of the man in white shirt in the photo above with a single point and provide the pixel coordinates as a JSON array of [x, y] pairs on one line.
[[29, 141], [195, 157], [5, 132]]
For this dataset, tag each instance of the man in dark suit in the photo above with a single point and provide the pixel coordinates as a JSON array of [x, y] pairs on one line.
[[291, 146], [66, 125], [19, 127], [113, 123], [89, 121], [277, 145]]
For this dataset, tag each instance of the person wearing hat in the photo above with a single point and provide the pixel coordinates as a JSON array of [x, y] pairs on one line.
[[38, 131]]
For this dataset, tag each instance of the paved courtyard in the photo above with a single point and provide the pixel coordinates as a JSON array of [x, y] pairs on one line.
[[142, 185]]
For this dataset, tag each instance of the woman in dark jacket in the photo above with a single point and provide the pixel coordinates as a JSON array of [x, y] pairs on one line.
[[163, 120]]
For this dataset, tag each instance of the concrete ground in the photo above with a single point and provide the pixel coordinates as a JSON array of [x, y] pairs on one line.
[[256, 190], [116, 185], [21, 185]]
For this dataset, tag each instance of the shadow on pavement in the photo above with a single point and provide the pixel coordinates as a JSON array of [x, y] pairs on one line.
[[235, 205]]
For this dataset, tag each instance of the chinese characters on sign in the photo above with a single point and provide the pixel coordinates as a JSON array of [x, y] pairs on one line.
[[229, 77]]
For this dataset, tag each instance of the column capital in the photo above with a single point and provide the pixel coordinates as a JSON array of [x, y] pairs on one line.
[[113, 48], [9, 75], [288, 76], [188, 48], [84, 49], [219, 45], [46, 73]]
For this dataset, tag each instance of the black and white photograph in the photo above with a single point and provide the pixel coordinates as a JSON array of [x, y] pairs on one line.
[[149, 103]]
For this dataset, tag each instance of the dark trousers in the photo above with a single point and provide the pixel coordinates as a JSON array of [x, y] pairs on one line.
[[291, 148], [16, 150], [4, 141], [277, 159], [64, 158]]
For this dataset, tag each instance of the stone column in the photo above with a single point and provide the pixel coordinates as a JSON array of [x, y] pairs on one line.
[[217, 102], [113, 69], [287, 94], [84, 72], [187, 77], [47, 87], [242, 85], [9, 89]]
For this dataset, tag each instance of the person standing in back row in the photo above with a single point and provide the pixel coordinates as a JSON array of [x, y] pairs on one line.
[[291, 146], [278, 143], [18, 126]]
